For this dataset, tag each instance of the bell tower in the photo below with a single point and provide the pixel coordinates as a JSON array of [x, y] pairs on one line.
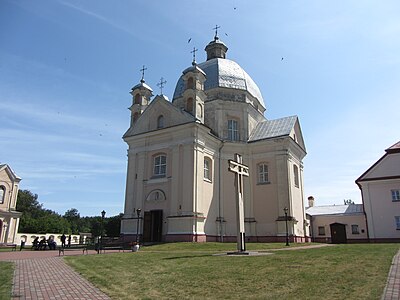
[[141, 94]]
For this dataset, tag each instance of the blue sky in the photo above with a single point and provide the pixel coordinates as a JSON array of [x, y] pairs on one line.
[[66, 69]]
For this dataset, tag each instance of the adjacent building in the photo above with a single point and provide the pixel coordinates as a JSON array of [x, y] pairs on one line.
[[177, 176], [380, 190], [9, 217]]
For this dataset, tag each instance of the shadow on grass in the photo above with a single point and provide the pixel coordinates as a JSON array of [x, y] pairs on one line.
[[188, 256]]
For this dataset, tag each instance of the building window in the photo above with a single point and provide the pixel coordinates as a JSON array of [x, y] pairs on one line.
[[2, 194], [207, 169], [296, 175], [160, 122], [233, 131], [263, 173], [354, 229], [190, 83], [189, 105], [137, 99], [321, 230], [160, 165], [397, 218], [395, 195]]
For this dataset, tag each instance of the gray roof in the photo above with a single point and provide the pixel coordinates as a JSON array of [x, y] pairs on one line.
[[142, 84], [273, 128], [224, 73], [335, 210]]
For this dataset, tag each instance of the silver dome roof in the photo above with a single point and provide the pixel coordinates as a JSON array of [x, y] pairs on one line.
[[224, 73]]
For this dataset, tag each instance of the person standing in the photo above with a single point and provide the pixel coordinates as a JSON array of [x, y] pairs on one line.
[[63, 238], [69, 241]]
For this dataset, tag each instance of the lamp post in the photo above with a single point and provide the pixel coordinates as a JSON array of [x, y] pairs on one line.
[[287, 232], [138, 211], [103, 214]]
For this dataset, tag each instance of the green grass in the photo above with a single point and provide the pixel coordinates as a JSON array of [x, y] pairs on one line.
[[188, 270], [6, 275]]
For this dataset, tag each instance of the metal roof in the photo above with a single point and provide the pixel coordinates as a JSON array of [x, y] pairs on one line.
[[350, 209], [224, 73], [273, 128]]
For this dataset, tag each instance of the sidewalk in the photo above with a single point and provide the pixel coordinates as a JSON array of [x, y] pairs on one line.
[[392, 289]]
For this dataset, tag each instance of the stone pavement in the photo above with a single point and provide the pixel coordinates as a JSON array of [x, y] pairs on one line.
[[42, 275], [392, 289]]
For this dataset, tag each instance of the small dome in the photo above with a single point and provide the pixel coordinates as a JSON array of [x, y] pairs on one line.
[[224, 73]]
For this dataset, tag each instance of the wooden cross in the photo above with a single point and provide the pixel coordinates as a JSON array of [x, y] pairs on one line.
[[216, 31], [194, 54], [161, 84], [240, 170], [142, 70]]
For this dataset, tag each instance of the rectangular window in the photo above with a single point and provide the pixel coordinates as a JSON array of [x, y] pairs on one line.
[[354, 229], [296, 175], [395, 195], [263, 173], [397, 219], [207, 169], [233, 131], [321, 230], [160, 165]]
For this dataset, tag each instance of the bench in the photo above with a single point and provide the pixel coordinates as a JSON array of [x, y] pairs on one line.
[[104, 248], [8, 246], [82, 247]]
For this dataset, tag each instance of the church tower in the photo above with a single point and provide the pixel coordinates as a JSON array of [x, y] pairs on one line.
[[141, 94]]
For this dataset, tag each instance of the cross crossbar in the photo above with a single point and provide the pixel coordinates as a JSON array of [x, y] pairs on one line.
[[238, 168]]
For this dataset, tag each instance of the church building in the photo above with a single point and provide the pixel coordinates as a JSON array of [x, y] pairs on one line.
[[178, 185]]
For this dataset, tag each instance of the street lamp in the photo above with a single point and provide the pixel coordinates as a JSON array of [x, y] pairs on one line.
[[138, 211], [103, 214], [287, 232]]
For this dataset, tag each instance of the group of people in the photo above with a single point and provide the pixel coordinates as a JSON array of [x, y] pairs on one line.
[[50, 243]]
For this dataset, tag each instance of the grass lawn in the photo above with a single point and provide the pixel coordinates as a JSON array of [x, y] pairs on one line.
[[6, 275], [188, 270]]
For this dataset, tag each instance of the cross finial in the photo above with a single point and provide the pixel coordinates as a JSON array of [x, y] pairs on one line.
[[142, 70], [161, 84], [194, 55], [216, 32]]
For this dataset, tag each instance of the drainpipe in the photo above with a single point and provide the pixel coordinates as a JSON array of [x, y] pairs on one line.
[[221, 236]]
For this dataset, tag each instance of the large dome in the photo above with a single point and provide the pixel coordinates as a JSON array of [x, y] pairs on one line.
[[224, 73]]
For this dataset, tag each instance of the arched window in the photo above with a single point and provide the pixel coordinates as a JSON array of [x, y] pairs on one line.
[[263, 173], [160, 165], [160, 121], [233, 130], [189, 105], [2, 194], [296, 175], [137, 99], [207, 169], [190, 83]]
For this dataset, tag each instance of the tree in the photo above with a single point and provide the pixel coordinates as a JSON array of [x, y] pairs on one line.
[[73, 217]]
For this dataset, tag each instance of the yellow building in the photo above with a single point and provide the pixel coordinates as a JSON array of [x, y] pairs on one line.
[[177, 172], [9, 217]]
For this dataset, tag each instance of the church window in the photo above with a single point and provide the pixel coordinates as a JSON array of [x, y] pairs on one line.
[[189, 105], [397, 219], [296, 175], [160, 122], [395, 195], [137, 99], [263, 173], [190, 83], [233, 131], [321, 230], [2, 194], [207, 169], [160, 165]]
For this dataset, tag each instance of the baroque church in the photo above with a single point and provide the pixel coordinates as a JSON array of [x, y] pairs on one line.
[[178, 185]]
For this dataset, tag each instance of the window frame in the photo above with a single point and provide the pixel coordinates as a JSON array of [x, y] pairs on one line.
[[207, 174], [321, 230], [355, 229], [296, 175], [160, 165], [397, 222], [233, 131], [395, 195], [263, 175], [3, 195]]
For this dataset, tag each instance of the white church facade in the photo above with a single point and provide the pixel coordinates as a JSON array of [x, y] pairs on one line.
[[177, 173]]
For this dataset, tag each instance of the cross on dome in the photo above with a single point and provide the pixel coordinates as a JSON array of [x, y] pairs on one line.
[[194, 55], [142, 70], [216, 31], [161, 84]]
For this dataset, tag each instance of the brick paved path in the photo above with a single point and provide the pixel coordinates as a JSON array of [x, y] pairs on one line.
[[392, 289], [50, 278]]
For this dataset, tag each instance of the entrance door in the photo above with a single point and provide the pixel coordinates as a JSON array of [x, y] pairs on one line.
[[338, 233], [152, 226]]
